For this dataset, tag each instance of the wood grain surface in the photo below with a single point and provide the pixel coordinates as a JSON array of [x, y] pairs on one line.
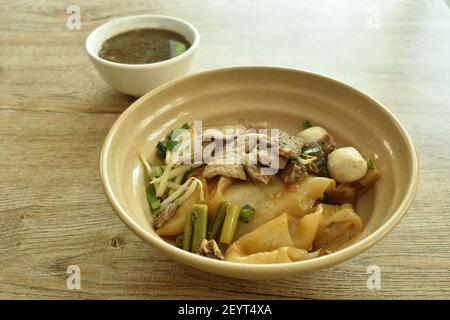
[[55, 112]]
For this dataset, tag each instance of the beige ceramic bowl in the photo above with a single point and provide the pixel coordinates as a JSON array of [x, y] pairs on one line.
[[284, 98]]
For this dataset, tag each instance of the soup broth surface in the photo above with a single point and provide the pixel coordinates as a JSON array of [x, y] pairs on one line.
[[143, 46]]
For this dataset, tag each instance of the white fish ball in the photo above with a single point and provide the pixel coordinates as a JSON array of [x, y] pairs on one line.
[[346, 165]]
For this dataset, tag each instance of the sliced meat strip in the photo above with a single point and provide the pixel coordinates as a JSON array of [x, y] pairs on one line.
[[210, 249], [221, 133], [167, 214], [254, 172], [282, 163], [294, 172], [227, 170], [289, 146]]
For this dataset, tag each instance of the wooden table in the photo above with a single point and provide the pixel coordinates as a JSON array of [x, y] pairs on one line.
[[55, 113]]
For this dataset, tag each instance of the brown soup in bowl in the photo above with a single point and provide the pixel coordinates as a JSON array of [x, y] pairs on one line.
[[142, 46]]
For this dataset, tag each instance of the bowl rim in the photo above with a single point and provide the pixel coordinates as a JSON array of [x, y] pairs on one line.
[[93, 34], [261, 269]]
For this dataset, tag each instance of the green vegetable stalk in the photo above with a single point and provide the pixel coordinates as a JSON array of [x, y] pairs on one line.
[[200, 212], [246, 213], [307, 124], [371, 164], [179, 240], [187, 236], [157, 171], [217, 221], [153, 201], [230, 223]]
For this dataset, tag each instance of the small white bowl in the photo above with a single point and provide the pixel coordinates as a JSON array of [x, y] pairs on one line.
[[138, 79]]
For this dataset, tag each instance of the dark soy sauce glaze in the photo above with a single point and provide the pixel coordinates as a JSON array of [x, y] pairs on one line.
[[142, 46]]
